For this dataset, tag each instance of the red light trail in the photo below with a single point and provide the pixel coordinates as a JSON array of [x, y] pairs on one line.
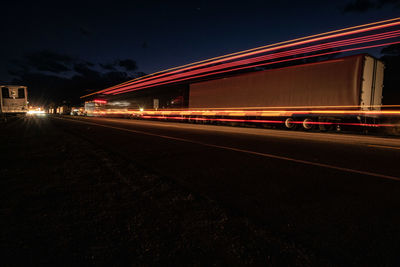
[[305, 40], [142, 86], [99, 101], [255, 49], [270, 121], [336, 44], [356, 38]]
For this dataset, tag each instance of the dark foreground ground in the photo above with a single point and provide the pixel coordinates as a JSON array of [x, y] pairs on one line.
[[66, 202], [79, 194]]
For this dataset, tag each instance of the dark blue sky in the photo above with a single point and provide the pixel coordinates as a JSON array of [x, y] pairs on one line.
[[163, 34]]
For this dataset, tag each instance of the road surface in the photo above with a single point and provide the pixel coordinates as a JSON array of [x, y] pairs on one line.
[[337, 195]]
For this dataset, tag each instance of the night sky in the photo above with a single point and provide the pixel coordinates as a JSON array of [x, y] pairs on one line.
[[157, 35]]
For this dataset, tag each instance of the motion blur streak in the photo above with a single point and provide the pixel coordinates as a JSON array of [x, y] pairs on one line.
[[319, 47], [286, 107], [256, 65], [266, 112], [387, 147], [270, 121], [336, 44], [180, 68], [211, 119], [261, 51]]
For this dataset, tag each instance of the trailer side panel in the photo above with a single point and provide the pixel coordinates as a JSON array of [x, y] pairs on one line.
[[329, 83]]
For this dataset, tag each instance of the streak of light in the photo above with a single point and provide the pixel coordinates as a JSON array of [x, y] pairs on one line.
[[36, 112], [258, 65], [175, 116], [259, 112], [297, 107], [388, 147], [294, 42], [211, 119], [271, 121], [264, 58], [304, 50], [100, 101], [280, 47], [309, 49]]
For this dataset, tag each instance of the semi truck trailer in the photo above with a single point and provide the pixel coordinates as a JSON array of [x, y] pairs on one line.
[[327, 94], [321, 93], [354, 82], [13, 99]]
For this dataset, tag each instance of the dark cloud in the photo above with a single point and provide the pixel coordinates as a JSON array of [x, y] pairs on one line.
[[55, 77], [90, 64], [125, 64], [145, 45], [365, 5], [107, 66], [382, 3], [116, 75], [46, 60], [85, 31], [128, 64], [18, 67], [85, 70], [359, 6]]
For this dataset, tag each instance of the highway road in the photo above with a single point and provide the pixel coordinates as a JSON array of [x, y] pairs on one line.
[[337, 195]]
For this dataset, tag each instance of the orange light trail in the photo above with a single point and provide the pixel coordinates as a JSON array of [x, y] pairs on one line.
[[348, 42], [288, 107], [237, 116], [309, 49], [213, 69], [257, 65], [254, 113], [254, 49], [211, 119], [272, 121], [266, 113], [290, 43]]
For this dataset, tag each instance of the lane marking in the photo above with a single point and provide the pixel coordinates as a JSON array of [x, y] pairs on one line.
[[389, 147], [306, 162]]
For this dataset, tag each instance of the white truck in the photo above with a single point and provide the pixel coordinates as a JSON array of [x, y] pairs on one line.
[[13, 99]]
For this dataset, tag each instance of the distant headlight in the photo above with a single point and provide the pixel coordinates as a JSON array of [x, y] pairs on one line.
[[36, 112]]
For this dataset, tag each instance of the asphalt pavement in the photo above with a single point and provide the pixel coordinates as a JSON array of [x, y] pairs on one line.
[[337, 195]]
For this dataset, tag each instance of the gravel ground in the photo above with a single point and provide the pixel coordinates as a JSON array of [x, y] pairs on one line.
[[67, 202]]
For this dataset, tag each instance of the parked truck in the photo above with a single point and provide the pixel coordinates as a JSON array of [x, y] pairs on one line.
[[13, 99], [354, 82], [328, 91], [326, 95]]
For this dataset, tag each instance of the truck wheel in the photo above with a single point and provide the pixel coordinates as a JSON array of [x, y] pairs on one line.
[[307, 124], [289, 123]]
